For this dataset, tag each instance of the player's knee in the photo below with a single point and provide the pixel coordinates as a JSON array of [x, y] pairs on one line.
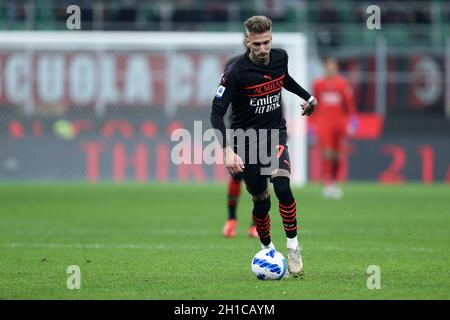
[[282, 187], [330, 154], [261, 196]]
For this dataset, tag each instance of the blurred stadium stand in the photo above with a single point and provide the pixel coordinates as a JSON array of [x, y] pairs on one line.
[[400, 72], [336, 23], [332, 27]]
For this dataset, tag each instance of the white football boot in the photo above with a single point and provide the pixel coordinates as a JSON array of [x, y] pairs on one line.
[[294, 262]]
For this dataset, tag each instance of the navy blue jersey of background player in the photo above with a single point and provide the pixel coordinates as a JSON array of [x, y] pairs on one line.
[[254, 92]]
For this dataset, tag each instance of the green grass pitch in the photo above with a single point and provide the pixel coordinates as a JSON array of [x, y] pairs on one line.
[[138, 241]]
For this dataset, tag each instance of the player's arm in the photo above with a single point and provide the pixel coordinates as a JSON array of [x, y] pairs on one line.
[[349, 98], [315, 93], [349, 101], [220, 104], [291, 85], [312, 120]]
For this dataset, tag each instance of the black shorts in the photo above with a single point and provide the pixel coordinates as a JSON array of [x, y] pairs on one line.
[[255, 174]]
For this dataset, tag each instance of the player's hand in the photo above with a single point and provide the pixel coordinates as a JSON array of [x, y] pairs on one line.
[[232, 161], [353, 124], [308, 107]]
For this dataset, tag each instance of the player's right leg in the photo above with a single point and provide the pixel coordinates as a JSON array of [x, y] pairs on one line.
[[331, 189], [329, 141], [234, 191], [280, 179], [257, 186]]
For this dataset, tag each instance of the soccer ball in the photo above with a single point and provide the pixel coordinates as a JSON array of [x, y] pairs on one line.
[[269, 264]]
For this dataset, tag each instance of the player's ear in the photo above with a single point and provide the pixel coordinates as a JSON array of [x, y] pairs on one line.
[[247, 43]]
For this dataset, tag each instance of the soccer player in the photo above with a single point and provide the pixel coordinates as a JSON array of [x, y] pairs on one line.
[[336, 106], [233, 194], [253, 84]]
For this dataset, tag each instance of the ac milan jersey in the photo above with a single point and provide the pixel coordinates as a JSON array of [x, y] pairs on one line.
[[254, 92]]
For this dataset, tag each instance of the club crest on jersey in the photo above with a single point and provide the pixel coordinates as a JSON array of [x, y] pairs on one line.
[[220, 91]]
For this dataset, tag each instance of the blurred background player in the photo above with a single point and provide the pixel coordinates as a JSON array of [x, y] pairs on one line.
[[334, 119], [234, 192]]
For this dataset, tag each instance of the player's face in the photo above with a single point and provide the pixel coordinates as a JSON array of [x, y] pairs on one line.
[[259, 45], [331, 67]]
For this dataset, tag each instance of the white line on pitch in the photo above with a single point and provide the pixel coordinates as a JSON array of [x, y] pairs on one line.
[[163, 246]]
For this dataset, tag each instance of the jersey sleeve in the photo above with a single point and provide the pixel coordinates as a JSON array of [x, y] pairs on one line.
[[222, 99], [291, 85], [315, 93]]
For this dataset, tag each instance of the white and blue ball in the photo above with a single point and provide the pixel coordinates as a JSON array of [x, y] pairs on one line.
[[269, 264]]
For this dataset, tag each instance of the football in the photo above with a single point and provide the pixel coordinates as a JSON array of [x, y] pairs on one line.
[[269, 264]]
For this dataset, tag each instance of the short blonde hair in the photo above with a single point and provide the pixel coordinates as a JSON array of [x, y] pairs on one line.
[[257, 24]]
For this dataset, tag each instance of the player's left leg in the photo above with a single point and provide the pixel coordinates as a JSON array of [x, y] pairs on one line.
[[331, 158], [234, 191], [335, 155], [258, 188], [288, 210]]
